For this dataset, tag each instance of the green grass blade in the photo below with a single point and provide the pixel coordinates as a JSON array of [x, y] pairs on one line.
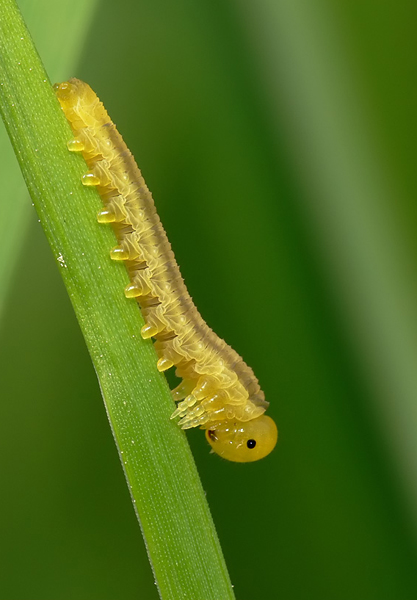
[[166, 491]]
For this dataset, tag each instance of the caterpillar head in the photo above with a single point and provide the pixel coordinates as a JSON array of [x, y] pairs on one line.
[[244, 441]]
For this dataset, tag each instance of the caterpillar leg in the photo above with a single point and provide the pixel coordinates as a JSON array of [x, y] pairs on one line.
[[205, 387], [182, 390], [184, 406], [128, 250], [164, 364], [75, 145], [89, 179], [139, 286], [114, 211], [151, 330], [204, 393]]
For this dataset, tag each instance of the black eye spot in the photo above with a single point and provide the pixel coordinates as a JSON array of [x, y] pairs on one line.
[[251, 444], [212, 435]]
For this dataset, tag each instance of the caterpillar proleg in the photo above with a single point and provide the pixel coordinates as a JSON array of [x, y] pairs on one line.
[[219, 392]]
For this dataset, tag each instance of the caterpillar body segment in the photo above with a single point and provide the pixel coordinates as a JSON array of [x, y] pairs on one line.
[[219, 392]]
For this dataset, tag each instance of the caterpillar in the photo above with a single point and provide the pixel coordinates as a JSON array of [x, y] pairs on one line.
[[218, 392]]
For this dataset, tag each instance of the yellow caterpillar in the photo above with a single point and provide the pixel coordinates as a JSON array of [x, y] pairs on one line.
[[219, 392]]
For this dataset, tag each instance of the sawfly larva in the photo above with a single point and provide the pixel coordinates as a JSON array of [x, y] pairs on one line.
[[219, 392]]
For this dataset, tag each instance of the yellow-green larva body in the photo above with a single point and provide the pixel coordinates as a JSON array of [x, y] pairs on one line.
[[219, 392]]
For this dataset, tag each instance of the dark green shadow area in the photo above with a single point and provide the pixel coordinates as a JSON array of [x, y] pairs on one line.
[[323, 517]]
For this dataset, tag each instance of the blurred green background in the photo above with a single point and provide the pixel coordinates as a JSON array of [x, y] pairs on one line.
[[278, 138]]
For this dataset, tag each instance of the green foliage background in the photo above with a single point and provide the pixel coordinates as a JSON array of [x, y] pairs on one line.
[[215, 99]]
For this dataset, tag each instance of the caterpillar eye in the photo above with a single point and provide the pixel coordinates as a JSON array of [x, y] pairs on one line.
[[212, 435], [251, 444]]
